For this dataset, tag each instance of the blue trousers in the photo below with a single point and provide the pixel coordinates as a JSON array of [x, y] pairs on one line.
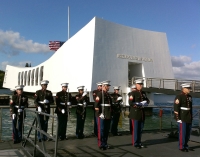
[[80, 121], [17, 130], [137, 127], [184, 134], [114, 123], [62, 126], [44, 126], [103, 131]]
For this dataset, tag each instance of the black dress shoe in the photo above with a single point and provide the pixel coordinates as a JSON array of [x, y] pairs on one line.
[[15, 142], [102, 148], [138, 146], [40, 140], [108, 147], [184, 150]]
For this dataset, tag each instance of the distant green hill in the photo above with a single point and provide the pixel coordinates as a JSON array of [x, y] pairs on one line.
[[2, 73]]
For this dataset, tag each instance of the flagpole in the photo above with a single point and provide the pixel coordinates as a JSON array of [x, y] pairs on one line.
[[68, 22]]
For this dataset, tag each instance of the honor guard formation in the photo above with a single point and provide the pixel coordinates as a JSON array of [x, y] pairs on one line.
[[107, 108]]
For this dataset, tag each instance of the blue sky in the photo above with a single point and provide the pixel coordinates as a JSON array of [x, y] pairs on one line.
[[26, 27]]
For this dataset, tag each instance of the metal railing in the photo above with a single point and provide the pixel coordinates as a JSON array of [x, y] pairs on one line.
[[36, 125], [163, 83]]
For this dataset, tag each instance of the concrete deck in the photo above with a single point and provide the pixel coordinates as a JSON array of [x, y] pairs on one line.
[[157, 145]]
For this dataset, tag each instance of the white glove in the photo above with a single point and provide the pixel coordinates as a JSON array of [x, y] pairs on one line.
[[13, 116], [63, 111], [39, 109], [119, 98], [179, 121], [102, 116], [46, 101], [84, 104], [20, 110], [68, 103], [144, 103], [84, 94]]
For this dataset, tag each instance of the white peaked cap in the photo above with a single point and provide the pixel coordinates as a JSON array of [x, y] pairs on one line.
[[19, 87], [116, 87], [138, 81], [186, 85], [44, 82], [133, 86], [64, 84], [107, 82], [99, 84], [80, 87]]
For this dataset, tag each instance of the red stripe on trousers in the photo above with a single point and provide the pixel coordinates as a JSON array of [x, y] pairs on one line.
[[99, 133], [180, 136], [132, 131]]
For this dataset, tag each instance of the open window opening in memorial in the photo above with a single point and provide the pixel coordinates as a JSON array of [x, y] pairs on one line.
[[41, 73], [29, 77], [32, 77], [22, 78], [25, 76], [36, 76]]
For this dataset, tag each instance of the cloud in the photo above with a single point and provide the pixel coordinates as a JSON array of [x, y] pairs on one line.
[[185, 68], [19, 64], [180, 61], [11, 43]]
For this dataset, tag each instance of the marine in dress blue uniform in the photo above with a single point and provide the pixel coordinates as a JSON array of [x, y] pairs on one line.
[[183, 115], [82, 101], [116, 110], [63, 103], [17, 105], [43, 99], [103, 107], [95, 92], [137, 115]]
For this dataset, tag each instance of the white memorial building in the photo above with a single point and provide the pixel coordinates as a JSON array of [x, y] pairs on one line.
[[101, 50]]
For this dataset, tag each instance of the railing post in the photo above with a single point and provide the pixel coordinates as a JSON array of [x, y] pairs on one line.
[[199, 122], [36, 132], [171, 119], [52, 111], [160, 84], [160, 115], [193, 86], [163, 83], [176, 85], [0, 124]]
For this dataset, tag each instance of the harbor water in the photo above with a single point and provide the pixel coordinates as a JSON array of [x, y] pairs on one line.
[[152, 122]]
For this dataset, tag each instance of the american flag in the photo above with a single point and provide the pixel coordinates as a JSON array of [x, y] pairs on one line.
[[55, 45]]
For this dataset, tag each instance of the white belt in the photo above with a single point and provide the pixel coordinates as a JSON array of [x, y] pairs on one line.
[[62, 103], [82, 105], [18, 106], [105, 104], [184, 108]]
